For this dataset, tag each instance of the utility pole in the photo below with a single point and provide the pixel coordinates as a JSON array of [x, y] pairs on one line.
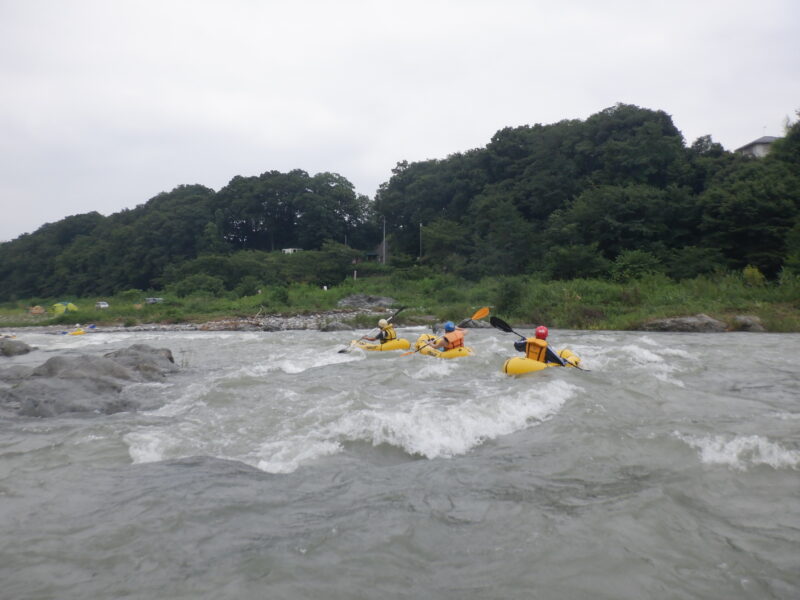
[[384, 240]]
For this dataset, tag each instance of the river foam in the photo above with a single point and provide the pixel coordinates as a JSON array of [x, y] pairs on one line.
[[741, 451]]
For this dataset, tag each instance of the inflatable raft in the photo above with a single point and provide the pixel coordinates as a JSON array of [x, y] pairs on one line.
[[520, 365], [396, 344], [426, 338]]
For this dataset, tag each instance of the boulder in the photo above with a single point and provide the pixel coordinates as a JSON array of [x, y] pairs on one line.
[[10, 347], [45, 397], [83, 383], [152, 364], [80, 367], [747, 323], [475, 324], [366, 301], [700, 323]]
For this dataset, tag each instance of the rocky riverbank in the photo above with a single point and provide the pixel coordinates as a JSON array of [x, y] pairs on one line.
[[324, 321], [349, 308]]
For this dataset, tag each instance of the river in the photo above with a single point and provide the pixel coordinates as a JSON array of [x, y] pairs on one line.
[[273, 466]]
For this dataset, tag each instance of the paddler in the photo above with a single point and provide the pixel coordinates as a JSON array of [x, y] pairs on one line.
[[386, 333], [536, 348], [453, 337]]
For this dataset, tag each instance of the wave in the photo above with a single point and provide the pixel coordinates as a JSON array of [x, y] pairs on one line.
[[741, 452], [430, 428]]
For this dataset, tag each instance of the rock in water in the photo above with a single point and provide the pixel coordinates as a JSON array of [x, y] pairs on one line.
[[80, 384], [13, 347], [697, 324]]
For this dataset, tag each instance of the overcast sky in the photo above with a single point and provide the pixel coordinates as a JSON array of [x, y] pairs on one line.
[[106, 103]]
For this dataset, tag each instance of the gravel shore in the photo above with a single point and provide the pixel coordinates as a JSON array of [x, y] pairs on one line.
[[324, 320]]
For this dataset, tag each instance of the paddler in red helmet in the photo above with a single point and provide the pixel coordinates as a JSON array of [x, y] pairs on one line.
[[536, 348]]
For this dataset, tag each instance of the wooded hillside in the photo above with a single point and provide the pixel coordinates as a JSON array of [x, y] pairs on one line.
[[615, 196]]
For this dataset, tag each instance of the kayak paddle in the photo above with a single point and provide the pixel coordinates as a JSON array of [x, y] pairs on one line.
[[498, 323], [371, 334], [479, 314]]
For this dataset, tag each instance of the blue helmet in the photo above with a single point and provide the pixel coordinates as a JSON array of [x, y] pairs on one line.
[[449, 326]]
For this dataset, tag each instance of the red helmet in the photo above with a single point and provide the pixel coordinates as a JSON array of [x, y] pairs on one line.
[[541, 332]]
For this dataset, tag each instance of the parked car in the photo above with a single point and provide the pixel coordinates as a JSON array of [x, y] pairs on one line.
[[153, 300], [101, 304]]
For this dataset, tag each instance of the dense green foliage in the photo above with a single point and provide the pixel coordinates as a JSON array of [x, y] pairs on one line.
[[568, 200], [617, 197]]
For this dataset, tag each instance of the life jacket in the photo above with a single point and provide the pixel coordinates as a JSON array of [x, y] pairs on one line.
[[454, 339], [388, 334], [536, 349]]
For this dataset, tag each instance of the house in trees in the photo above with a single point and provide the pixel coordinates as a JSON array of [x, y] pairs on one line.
[[757, 148]]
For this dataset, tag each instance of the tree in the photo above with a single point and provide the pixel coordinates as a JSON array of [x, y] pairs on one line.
[[211, 240], [749, 214], [199, 284], [575, 262], [688, 262], [617, 218], [504, 242], [634, 264]]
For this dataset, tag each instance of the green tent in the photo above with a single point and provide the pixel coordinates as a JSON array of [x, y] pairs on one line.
[[64, 307]]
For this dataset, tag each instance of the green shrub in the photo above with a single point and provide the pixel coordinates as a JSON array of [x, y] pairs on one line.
[[634, 264], [248, 286], [510, 295], [690, 261], [576, 261], [280, 296], [197, 284], [131, 296], [753, 277]]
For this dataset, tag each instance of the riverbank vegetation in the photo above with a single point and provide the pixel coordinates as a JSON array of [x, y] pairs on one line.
[[599, 223], [569, 304]]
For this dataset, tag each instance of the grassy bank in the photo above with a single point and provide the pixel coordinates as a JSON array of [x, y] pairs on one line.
[[576, 304]]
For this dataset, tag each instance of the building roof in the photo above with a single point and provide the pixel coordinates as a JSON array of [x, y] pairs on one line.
[[766, 139]]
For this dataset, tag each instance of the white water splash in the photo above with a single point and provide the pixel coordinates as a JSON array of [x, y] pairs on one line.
[[286, 456], [659, 366], [435, 430], [741, 452]]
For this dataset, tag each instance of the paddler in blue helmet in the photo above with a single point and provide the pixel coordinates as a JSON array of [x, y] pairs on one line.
[[536, 348], [453, 337]]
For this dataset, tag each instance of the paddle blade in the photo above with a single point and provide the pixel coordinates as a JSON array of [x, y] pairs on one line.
[[347, 349], [498, 323], [480, 313]]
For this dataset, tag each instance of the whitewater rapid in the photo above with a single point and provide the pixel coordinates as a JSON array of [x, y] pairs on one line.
[[273, 465]]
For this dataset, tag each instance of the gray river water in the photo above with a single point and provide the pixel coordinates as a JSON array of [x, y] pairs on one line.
[[272, 466]]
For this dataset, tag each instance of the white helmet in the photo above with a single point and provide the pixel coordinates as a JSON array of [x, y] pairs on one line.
[[383, 323]]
